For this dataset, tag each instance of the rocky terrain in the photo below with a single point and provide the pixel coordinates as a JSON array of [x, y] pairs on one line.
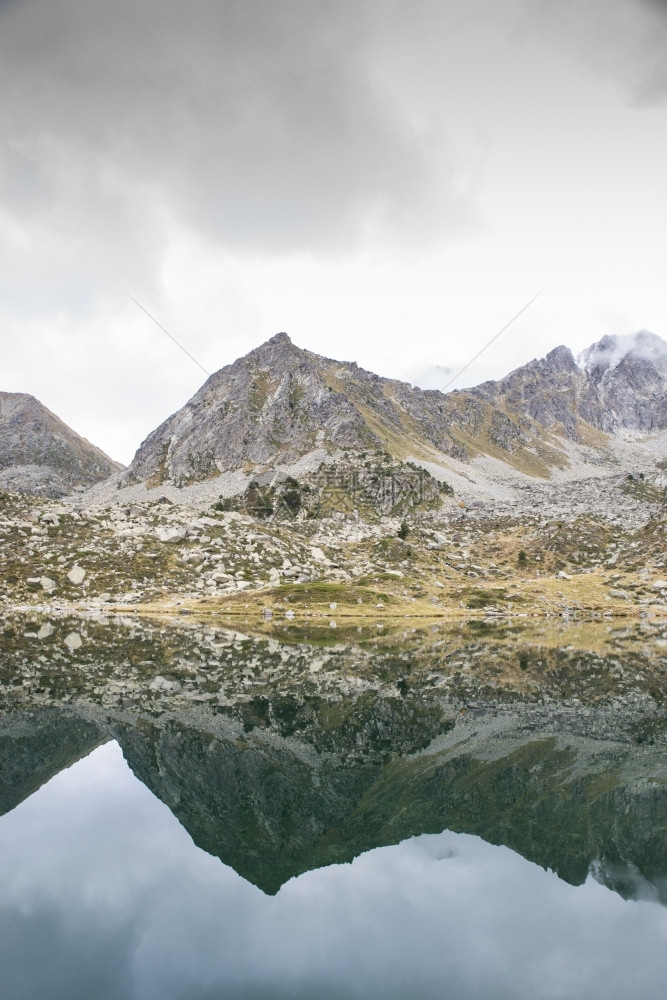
[[421, 544], [617, 386], [40, 455]]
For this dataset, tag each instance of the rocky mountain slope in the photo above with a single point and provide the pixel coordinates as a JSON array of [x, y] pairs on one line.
[[281, 407], [41, 455], [617, 386], [280, 403]]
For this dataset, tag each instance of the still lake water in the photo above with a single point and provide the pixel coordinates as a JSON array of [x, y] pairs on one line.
[[103, 894], [161, 841]]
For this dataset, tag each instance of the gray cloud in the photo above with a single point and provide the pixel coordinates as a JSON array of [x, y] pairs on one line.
[[623, 39], [266, 126], [257, 122]]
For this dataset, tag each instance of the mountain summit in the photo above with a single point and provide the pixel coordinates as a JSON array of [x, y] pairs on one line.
[[642, 348], [41, 455], [280, 404], [617, 385]]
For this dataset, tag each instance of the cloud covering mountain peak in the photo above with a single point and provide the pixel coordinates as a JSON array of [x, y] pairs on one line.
[[611, 350]]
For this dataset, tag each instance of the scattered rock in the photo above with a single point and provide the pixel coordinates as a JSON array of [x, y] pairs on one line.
[[76, 575], [161, 683], [170, 533], [73, 641]]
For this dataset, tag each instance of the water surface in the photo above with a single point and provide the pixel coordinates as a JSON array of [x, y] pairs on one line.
[[177, 824]]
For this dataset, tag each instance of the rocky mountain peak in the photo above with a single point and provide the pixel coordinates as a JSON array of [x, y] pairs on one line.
[[279, 338], [613, 350], [281, 403], [40, 454], [276, 403], [561, 359], [280, 345], [616, 385]]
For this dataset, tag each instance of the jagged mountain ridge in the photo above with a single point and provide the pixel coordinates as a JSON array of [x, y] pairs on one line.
[[40, 454], [617, 385], [280, 403], [277, 403]]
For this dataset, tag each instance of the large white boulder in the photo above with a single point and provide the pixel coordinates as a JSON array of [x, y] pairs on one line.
[[76, 575], [170, 533], [73, 641]]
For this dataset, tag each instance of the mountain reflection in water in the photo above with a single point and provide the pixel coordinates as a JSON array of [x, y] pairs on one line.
[[102, 894], [293, 779]]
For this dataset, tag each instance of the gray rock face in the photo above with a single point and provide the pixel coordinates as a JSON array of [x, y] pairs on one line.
[[41, 455], [279, 403], [626, 382], [618, 386]]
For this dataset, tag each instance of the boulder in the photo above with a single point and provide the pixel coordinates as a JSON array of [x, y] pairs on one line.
[[170, 533], [73, 641], [76, 575]]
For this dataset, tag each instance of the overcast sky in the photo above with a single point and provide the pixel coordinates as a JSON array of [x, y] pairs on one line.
[[389, 182]]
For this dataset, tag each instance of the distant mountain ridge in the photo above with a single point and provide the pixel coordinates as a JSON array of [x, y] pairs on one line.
[[281, 403], [617, 386], [41, 455]]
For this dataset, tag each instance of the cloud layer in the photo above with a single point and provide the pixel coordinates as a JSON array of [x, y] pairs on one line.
[[258, 123]]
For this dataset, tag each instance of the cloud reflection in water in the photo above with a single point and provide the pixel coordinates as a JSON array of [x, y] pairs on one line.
[[104, 894]]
